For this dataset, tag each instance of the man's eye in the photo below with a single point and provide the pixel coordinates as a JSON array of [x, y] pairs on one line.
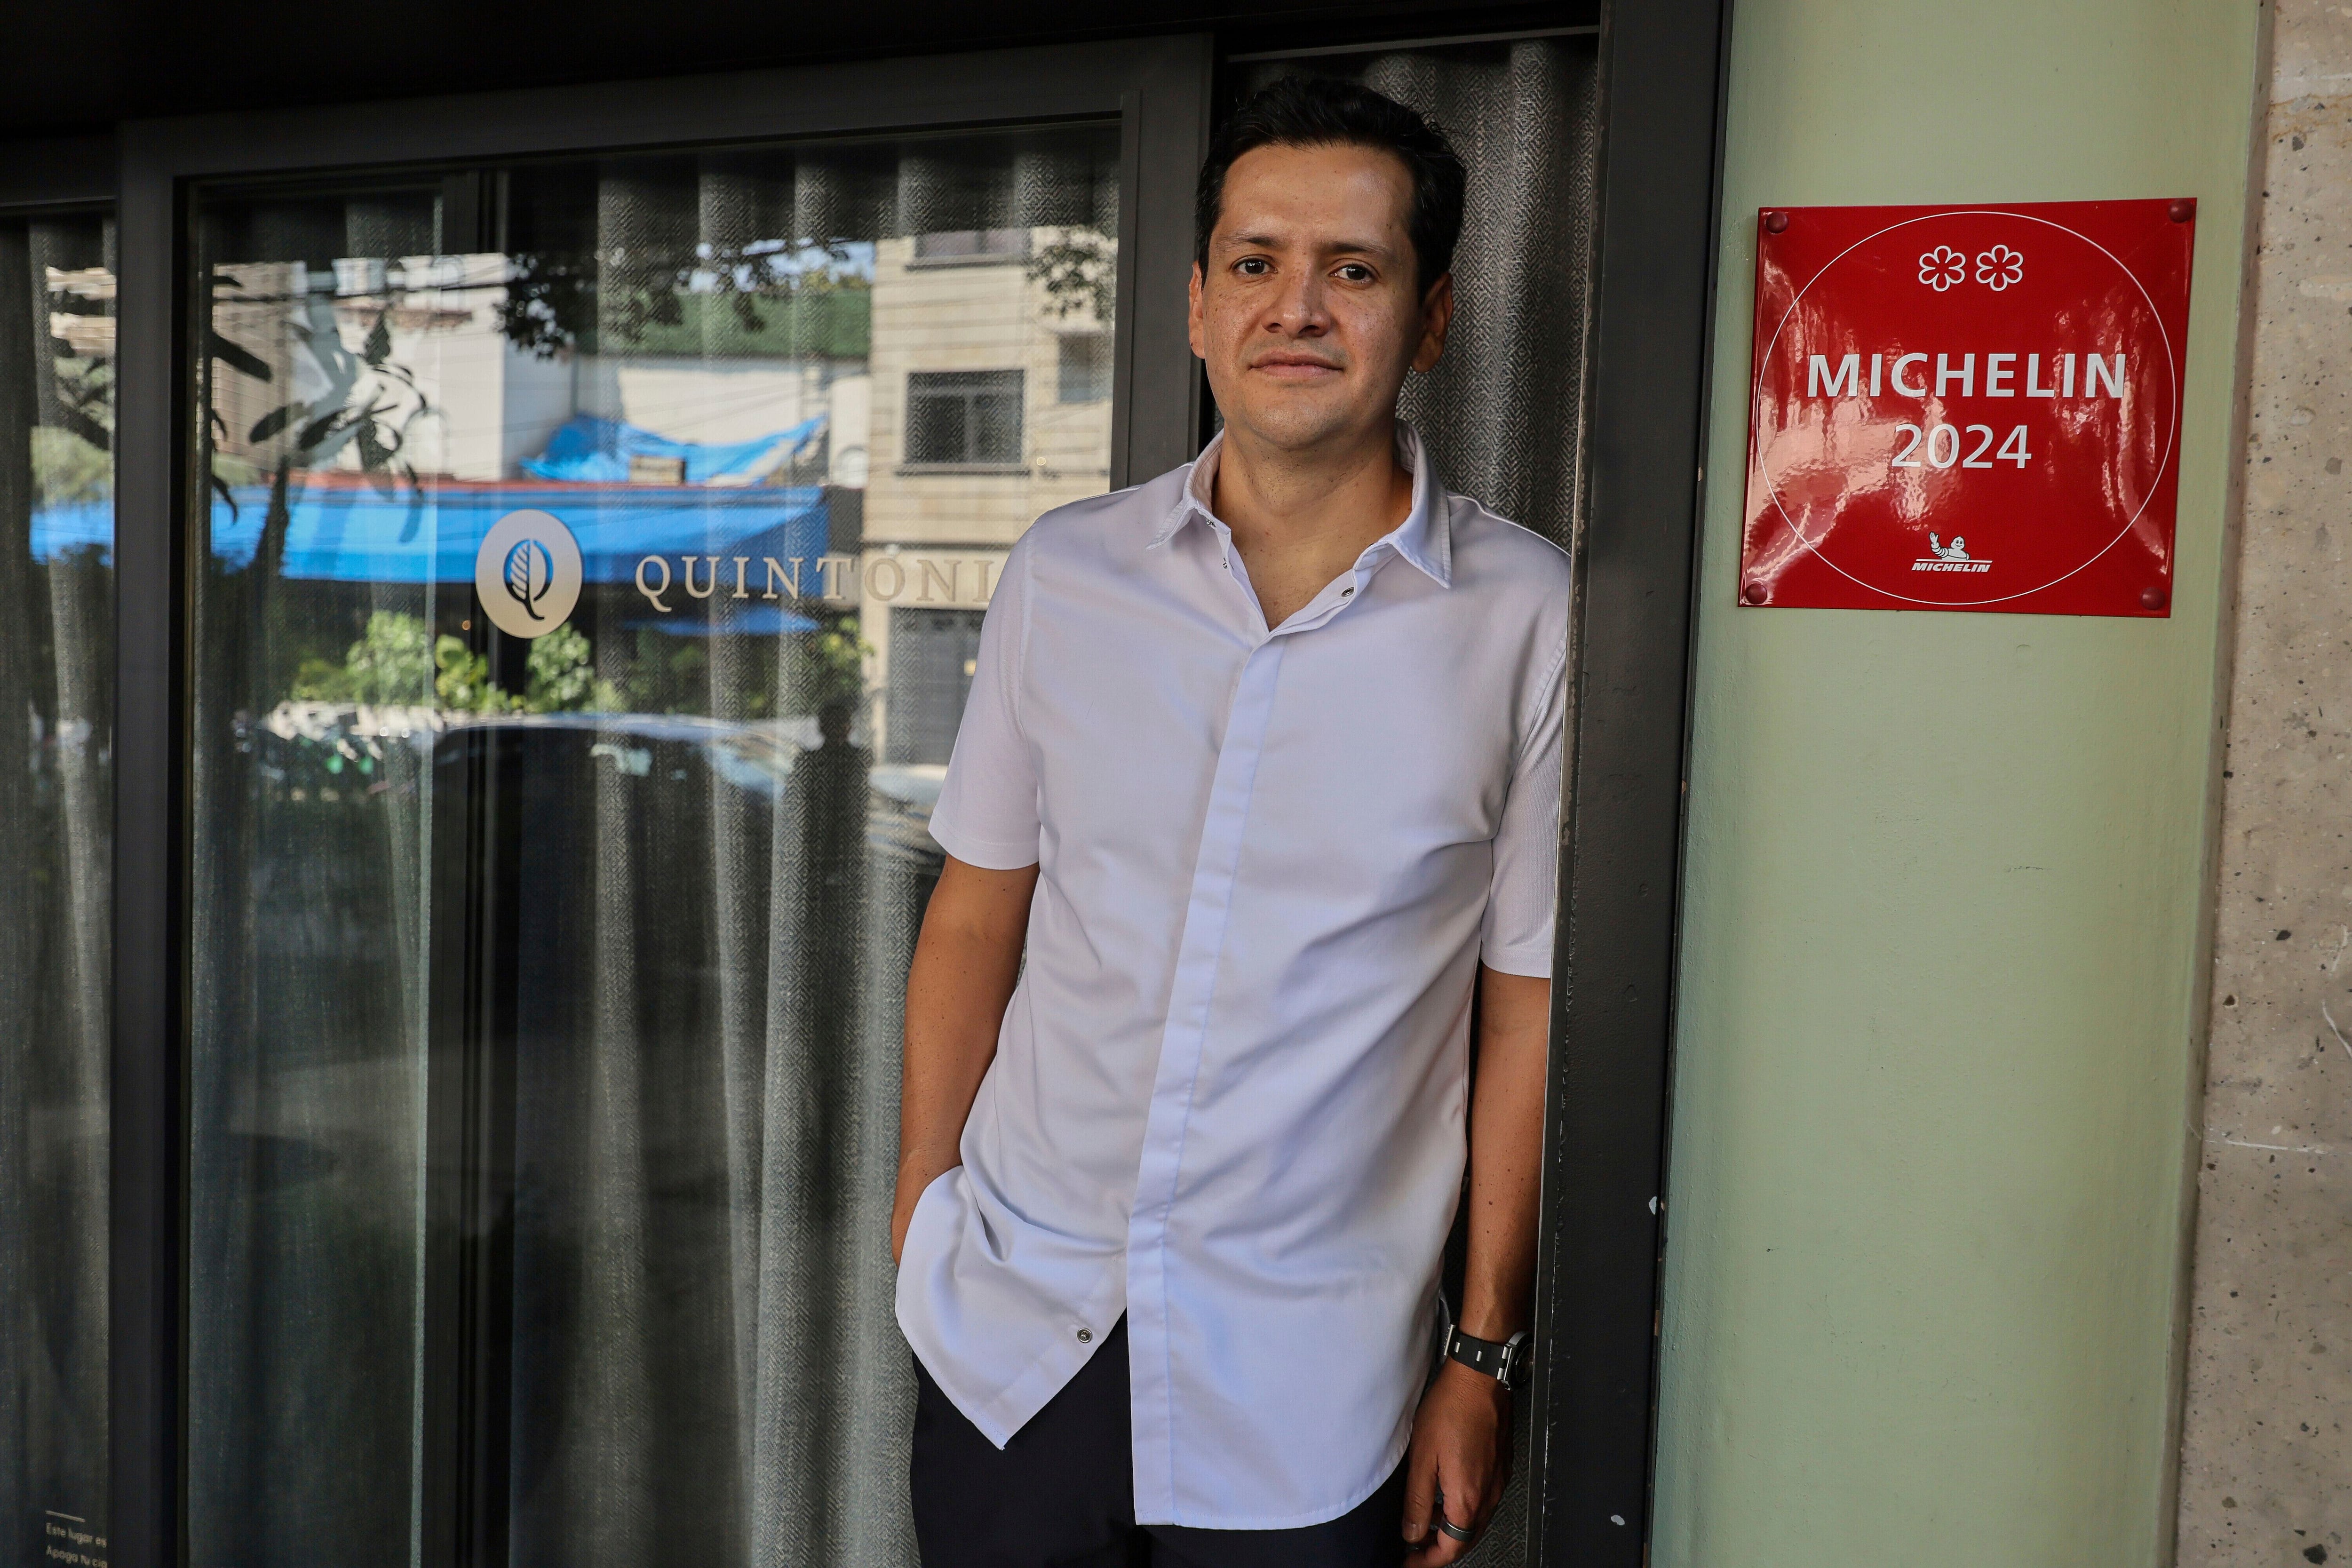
[[1356, 272], [1253, 265]]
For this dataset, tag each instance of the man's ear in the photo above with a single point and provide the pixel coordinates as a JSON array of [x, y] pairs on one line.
[[1436, 321], [1193, 323]]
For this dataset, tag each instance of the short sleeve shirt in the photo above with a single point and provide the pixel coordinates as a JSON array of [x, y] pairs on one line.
[[1229, 1094]]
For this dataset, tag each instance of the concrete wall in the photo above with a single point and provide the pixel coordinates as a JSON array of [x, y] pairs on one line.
[[2266, 1464], [1943, 959]]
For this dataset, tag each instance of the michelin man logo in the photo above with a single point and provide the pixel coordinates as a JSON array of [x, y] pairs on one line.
[[1952, 557], [527, 573]]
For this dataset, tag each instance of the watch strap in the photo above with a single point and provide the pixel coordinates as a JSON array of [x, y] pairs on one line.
[[1504, 1361]]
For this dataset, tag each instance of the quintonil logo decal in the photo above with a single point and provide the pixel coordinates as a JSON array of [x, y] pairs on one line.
[[531, 573], [1952, 557], [528, 574]]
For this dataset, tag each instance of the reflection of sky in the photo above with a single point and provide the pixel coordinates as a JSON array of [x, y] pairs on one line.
[[846, 261]]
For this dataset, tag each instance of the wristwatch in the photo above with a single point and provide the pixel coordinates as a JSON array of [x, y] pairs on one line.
[[1504, 1361]]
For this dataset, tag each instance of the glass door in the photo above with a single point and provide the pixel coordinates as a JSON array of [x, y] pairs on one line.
[[56, 801], [585, 585]]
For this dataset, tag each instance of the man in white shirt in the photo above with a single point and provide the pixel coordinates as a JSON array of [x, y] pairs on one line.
[[1259, 780]]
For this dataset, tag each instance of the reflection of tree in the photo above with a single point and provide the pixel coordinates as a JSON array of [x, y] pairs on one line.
[[399, 660], [618, 299], [836, 658], [1079, 271], [369, 403]]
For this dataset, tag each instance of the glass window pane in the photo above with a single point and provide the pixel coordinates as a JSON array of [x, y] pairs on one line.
[[972, 245], [1086, 363], [964, 416], [934, 655], [996, 419], [57, 699], [938, 421], [571, 691]]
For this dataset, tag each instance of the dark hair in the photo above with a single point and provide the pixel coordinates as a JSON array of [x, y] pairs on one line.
[[1321, 112]]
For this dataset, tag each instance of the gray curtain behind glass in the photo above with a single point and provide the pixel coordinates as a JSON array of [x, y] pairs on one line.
[[706, 1366], [1502, 411], [56, 728]]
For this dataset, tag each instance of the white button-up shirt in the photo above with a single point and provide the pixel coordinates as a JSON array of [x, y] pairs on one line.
[[1229, 1099]]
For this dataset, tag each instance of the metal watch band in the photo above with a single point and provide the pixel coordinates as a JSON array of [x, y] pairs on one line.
[[1504, 1361]]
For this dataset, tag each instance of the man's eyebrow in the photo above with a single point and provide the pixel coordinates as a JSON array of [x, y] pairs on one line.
[[1275, 242]]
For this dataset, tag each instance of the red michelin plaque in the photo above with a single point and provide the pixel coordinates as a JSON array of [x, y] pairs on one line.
[[1968, 408]]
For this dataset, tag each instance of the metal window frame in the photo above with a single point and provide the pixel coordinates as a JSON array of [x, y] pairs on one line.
[[1663, 64], [56, 171]]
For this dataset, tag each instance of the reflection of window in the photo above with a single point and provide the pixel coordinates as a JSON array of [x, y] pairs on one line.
[[968, 245], [932, 655], [963, 416], [1086, 367]]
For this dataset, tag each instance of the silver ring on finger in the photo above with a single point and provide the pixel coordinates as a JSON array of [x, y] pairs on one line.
[[1458, 1532]]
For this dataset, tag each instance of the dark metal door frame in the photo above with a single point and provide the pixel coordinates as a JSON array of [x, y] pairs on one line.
[[1662, 77], [1662, 66]]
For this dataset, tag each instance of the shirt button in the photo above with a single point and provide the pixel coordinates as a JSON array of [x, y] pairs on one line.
[[1347, 593], [1086, 1336]]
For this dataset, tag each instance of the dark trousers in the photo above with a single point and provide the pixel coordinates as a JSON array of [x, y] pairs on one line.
[[1062, 1494]]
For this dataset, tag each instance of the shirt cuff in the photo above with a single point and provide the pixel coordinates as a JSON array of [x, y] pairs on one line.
[[1533, 960], [989, 854]]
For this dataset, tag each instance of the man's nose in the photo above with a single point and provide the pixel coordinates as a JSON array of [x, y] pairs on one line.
[[1299, 310]]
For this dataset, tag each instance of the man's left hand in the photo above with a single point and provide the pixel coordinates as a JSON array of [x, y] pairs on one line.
[[1461, 1452]]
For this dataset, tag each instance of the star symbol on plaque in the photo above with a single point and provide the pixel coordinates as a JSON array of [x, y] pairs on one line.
[[1999, 268], [1941, 267]]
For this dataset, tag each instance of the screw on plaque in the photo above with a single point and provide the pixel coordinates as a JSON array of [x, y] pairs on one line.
[[2182, 209], [1774, 222], [2152, 597], [1756, 593]]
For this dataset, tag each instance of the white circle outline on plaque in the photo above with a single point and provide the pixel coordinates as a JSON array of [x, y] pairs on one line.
[[564, 576], [2172, 430]]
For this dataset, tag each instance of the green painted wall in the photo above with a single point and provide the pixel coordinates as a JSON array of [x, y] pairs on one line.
[[1944, 936]]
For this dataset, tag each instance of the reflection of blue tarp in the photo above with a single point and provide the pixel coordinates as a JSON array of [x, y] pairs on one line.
[[73, 525], [756, 620], [587, 448], [349, 533]]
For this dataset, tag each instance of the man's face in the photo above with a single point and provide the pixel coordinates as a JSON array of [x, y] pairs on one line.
[[1310, 312]]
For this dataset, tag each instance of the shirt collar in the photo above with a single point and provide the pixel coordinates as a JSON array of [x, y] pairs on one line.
[[1424, 537]]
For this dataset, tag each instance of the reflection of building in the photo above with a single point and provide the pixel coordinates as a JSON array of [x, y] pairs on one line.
[[991, 405], [490, 404], [952, 387]]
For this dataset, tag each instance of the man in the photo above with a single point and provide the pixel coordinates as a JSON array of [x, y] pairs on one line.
[[1259, 776]]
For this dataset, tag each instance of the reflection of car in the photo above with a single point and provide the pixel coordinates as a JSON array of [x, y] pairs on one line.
[[899, 823]]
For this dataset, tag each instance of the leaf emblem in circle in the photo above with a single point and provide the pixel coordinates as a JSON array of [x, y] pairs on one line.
[[1941, 267], [529, 574]]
